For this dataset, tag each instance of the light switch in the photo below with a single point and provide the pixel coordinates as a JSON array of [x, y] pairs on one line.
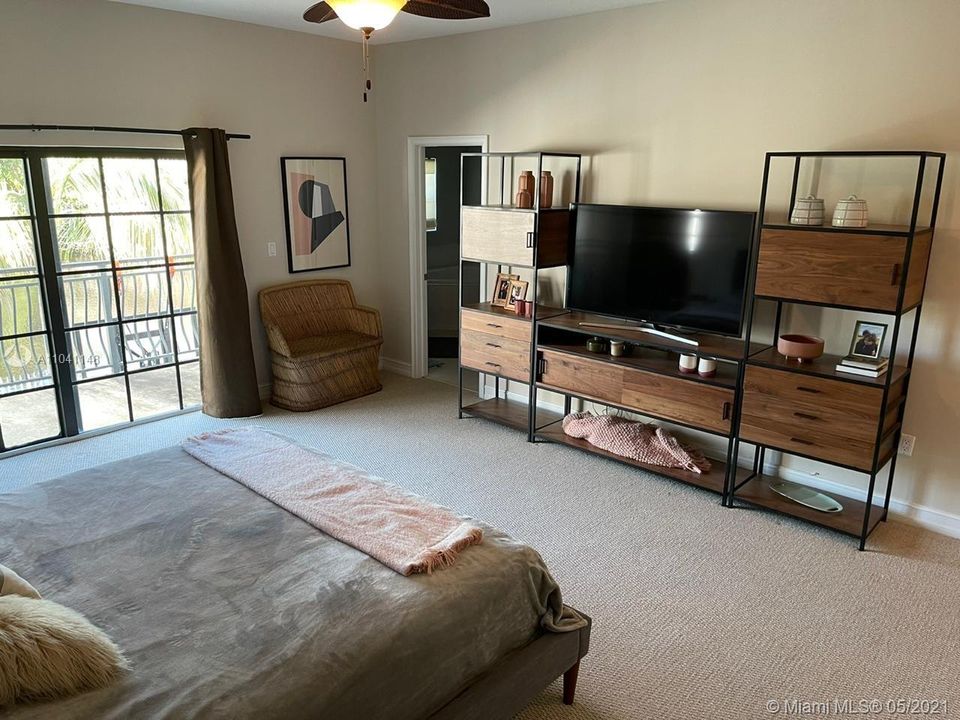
[[271, 249]]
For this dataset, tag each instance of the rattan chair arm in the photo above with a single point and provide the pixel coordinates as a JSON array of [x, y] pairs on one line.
[[366, 320], [276, 340]]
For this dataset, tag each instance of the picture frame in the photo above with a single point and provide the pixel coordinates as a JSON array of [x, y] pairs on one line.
[[501, 289], [518, 291], [867, 341], [315, 212]]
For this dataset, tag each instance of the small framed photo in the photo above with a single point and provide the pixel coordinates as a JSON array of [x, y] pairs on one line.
[[518, 291], [868, 339], [501, 289]]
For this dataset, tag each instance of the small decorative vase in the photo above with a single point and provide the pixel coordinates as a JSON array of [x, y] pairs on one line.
[[596, 345], [546, 190], [851, 212], [526, 183], [524, 199], [688, 363], [807, 211], [707, 367]]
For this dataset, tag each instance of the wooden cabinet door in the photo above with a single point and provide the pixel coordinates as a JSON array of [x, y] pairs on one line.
[[861, 271], [589, 378], [497, 235], [685, 401]]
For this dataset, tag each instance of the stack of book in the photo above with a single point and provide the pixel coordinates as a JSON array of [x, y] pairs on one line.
[[862, 366]]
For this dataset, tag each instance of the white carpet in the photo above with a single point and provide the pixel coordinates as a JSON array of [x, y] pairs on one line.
[[699, 611]]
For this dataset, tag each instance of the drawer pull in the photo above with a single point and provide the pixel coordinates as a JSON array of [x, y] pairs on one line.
[[492, 364], [801, 441], [805, 416], [895, 275], [726, 411], [494, 345], [801, 388], [494, 325], [529, 239]]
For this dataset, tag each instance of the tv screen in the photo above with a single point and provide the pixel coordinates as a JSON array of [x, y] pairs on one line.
[[679, 268]]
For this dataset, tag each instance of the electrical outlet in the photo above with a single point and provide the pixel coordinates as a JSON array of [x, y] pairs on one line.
[[271, 249], [906, 444]]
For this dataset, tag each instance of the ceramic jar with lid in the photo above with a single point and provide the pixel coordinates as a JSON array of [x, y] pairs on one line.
[[807, 211], [850, 212]]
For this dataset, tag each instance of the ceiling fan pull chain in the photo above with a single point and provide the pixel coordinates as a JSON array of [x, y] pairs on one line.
[[367, 86]]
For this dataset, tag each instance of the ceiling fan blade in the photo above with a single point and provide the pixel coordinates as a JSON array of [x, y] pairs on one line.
[[321, 12], [448, 9]]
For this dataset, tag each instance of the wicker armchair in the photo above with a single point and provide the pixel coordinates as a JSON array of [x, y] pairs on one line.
[[325, 347]]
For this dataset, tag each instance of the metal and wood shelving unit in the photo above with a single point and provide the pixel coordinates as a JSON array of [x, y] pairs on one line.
[[493, 341], [811, 410]]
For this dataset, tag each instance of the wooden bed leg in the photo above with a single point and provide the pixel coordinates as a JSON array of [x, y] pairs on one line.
[[570, 684]]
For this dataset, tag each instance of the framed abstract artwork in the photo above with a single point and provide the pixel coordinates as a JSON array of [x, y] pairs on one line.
[[315, 212]]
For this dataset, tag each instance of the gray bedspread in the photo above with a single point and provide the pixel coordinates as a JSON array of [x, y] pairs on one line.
[[230, 607]]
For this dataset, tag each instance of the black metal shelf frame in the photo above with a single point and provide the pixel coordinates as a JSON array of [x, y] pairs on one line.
[[535, 267], [922, 157]]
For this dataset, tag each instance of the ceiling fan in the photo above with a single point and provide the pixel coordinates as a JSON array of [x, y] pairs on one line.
[[370, 15]]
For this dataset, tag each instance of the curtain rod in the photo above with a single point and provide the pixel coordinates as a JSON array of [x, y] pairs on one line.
[[101, 128]]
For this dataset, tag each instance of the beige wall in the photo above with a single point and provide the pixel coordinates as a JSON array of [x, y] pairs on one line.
[[97, 62], [676, 103]]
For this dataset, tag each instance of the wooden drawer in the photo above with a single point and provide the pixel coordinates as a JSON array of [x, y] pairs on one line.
[[862, 271], [504, 236], [502, 326], [498, 355], [828, 419], [686, 401]]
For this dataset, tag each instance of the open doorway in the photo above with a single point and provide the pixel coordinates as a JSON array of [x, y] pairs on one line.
[[437, 288], [445, 176]]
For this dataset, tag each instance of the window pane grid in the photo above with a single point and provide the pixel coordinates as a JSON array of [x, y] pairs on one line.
[[30, 410], [121, 228]]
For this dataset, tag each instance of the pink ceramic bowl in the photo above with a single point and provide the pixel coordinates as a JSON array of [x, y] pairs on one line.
[[800, 347]]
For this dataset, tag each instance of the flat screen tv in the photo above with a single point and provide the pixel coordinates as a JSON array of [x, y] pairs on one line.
[[684, 269]]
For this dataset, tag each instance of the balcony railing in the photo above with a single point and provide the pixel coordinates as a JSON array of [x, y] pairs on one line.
[[98, 344]]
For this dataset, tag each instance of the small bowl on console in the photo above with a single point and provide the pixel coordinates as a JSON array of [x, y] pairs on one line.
[[802, 348]]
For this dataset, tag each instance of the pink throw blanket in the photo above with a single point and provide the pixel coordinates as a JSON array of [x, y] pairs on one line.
[[646, 443], [403, 531]]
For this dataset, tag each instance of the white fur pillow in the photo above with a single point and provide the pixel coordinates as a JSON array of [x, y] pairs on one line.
[[13, 584], [48, 651]]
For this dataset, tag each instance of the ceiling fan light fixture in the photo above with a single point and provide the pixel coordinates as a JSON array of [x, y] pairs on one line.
[[364, 14]]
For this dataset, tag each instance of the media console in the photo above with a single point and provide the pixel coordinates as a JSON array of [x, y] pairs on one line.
[[647, 382]]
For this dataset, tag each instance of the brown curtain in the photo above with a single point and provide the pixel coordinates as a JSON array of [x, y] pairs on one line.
[[228, 378]]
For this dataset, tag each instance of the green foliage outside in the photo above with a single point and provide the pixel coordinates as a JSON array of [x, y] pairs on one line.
[[77, 189]]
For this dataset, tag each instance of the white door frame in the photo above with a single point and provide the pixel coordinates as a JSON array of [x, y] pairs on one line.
[[418, 237]]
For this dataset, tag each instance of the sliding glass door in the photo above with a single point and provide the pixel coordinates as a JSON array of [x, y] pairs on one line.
[[98, 301], [29, 409]]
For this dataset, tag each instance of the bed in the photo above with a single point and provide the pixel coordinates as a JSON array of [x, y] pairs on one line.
[[228, 606]]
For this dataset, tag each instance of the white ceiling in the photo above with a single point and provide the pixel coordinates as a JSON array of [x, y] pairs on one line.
[[288, 14]]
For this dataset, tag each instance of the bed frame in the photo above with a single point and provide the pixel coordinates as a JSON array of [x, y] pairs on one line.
[[509, 686]]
